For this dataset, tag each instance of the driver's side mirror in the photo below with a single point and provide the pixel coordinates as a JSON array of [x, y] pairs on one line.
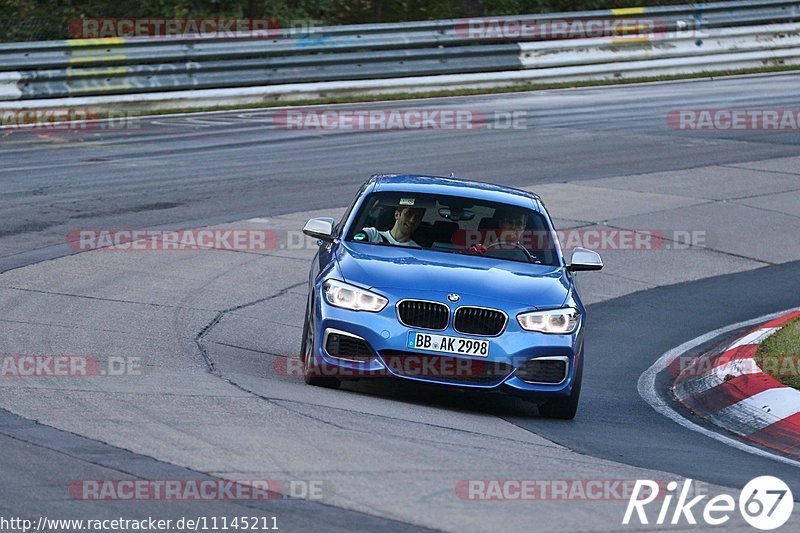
[[319, 228], [584, 259]]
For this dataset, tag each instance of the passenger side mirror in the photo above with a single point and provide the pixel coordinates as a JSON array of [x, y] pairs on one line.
[[584, 259], [320, 228]]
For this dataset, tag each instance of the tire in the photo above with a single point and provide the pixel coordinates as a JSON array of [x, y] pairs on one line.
[[565, 408], [310, 362]]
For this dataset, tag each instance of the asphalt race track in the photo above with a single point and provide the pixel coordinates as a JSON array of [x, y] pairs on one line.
[[650, 326], [213, 329]]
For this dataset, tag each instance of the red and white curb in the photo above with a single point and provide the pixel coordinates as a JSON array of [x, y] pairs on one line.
[[728, 389]]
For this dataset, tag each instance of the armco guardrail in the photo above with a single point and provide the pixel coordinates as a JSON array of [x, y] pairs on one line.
[[431, 54]]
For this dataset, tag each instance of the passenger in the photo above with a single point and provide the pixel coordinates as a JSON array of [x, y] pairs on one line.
[[406, 221]]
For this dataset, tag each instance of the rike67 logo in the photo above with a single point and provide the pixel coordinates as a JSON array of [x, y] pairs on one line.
[[765, 503]]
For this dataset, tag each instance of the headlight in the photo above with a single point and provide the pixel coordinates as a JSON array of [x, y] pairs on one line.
[[341, 294], [561, 321]]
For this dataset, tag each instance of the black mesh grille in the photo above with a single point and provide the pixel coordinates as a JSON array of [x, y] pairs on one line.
[[348, 347], [421, 314], [479, 321], [453, 370], [543, 371]]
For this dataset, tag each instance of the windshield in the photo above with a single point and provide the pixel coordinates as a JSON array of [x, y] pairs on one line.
[[454, 225]]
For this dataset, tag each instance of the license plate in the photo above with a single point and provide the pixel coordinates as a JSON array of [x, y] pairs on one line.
[[447, 344]]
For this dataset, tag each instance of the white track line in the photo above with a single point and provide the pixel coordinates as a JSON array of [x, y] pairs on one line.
[[758, 411], [754, 337], [716, 377], [647, 389]]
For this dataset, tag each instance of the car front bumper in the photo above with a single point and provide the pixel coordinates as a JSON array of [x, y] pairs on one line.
[[387, 340]]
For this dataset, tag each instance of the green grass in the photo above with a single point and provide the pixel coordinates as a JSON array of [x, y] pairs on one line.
[[779, 354]]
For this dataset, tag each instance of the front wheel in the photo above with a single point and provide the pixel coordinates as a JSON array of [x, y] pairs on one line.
[[565, 408], [310, 367]]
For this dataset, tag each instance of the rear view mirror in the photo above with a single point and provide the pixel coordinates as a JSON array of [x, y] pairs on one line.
[[455, 214]]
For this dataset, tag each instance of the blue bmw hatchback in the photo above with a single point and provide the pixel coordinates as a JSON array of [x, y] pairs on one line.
[[450, 282]]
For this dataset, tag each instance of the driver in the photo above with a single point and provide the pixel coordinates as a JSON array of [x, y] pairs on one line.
[[511, 227], [512, 223], [406, 221]]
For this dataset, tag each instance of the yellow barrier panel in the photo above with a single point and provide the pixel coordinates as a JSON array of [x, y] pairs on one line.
[[622, 11], [96, 42]]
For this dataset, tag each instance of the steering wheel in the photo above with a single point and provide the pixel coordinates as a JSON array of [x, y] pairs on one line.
[[515, 245]]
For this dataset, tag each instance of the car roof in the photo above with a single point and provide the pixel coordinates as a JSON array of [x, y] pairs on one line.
[[440, 185]]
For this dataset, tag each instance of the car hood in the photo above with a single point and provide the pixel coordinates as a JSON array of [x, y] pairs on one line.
[[391, 267]]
